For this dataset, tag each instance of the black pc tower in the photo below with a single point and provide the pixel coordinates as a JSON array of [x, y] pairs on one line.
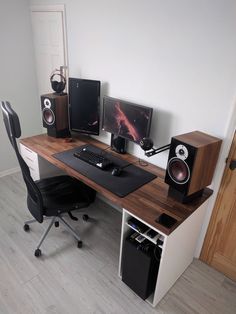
[[140, 264]]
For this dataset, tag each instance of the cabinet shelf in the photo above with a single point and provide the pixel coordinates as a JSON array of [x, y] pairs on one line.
[[144, 234]]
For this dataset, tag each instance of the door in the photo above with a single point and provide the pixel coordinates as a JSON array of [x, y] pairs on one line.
[[49, 43], [219, 249]]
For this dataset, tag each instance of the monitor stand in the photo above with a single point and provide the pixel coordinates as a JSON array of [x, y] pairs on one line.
[[118, 144], [81, 136]]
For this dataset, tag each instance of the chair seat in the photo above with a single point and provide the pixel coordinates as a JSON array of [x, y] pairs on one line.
[[64, 193], [51, 196]]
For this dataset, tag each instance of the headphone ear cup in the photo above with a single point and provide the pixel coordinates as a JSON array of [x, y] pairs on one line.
[[54, 85], [60, 87]]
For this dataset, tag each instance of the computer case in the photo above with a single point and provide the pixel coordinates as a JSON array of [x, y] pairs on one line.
[[140, 264]]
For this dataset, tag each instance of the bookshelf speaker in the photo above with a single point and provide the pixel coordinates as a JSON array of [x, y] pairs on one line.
[[55, 114], [191, 164]]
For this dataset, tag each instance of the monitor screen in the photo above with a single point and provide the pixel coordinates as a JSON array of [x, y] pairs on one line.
[[125, 119], [84, 104]]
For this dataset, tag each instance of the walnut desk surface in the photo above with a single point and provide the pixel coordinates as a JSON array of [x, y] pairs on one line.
[[147, 202]]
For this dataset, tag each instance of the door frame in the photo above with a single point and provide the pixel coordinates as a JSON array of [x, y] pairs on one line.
[[210, 244], [56, 8], [227, 141]]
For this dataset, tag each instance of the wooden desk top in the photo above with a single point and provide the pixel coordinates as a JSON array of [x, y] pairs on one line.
[[148, 202]]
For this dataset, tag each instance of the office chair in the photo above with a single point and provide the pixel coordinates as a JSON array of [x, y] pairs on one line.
[[49, 197]]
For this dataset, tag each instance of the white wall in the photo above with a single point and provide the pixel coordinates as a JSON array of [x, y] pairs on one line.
[[17, 74], [175, 56]]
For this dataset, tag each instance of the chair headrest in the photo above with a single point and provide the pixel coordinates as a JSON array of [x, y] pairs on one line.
[[11, 120]]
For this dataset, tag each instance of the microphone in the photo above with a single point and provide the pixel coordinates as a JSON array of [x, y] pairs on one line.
[[147, 145]]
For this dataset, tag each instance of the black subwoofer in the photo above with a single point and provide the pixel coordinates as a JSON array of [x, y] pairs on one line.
[[118, 144]]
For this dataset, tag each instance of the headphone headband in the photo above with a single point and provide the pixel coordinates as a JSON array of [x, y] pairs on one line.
[[63, 79], [58, 87]]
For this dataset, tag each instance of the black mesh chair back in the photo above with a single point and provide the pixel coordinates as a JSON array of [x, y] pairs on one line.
[[52, 197], [34, 197]]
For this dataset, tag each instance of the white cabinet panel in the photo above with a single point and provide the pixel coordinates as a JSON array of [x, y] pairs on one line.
[[39, 167], [177, 251]]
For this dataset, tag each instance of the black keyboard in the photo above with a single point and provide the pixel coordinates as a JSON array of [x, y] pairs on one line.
[[94, 159]]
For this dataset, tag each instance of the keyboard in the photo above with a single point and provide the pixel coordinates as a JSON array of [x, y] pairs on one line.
[[94, 159]]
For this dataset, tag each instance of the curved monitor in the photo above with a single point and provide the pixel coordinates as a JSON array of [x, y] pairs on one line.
[[130, 121], [84, 105]]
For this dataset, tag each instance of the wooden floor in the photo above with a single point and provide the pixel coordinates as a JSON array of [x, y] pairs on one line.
[[70, 280]]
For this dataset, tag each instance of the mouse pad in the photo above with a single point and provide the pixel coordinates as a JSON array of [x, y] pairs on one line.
[[130, 179]]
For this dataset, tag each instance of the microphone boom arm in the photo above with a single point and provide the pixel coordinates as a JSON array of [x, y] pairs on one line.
[[158, 150]]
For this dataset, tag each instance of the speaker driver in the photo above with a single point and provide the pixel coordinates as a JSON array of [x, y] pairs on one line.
[[178, 170], [48, 116]]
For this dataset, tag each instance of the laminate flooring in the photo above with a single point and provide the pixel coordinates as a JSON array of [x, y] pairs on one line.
[[66, 279]]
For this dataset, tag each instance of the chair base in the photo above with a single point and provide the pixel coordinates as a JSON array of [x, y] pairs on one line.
[[54, 220]]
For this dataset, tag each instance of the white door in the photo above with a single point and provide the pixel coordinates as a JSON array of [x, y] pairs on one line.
[[49, 43]]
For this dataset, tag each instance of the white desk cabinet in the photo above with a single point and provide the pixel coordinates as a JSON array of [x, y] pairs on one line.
[[39, 167], [178, 250]]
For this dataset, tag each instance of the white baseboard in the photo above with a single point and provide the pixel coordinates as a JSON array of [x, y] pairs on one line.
[[9, 171]]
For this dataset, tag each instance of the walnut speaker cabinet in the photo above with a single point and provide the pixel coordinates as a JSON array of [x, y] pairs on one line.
[[191, 164], [55, 114]]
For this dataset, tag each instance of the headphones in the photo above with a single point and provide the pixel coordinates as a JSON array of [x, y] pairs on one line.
[[57, 86]]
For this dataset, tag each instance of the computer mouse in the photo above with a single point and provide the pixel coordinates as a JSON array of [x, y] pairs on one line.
[[116, 171]]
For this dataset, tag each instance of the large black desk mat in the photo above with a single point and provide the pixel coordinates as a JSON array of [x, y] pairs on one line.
[[130, 179]]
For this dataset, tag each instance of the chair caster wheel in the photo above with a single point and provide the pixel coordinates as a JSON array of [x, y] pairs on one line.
[[26, 227], [85, 217], [80, 244], [56, 224], [37, 253]]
